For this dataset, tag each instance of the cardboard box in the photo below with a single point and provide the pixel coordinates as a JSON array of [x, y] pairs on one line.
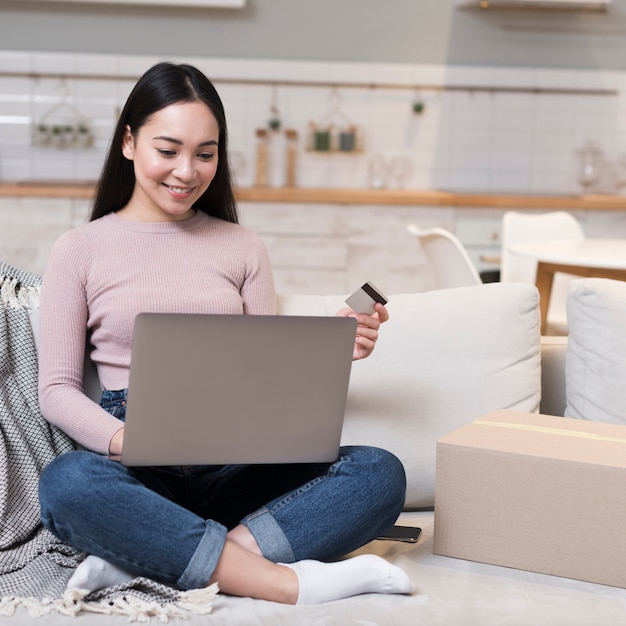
[[534, 492]]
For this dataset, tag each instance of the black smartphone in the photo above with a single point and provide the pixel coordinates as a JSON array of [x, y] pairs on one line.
[[402, 533]]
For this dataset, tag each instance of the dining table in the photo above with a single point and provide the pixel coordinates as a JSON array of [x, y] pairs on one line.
[[589, 258]]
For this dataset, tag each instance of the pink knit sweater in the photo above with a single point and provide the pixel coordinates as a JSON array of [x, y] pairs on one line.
[[100, 275]]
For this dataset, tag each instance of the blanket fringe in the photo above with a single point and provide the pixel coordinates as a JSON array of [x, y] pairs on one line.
[[15, 295], [194, 601]]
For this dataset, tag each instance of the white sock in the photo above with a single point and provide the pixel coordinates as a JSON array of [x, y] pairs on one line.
[[95, 573], [323, 582]]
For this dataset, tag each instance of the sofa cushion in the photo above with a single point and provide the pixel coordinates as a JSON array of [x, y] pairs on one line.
[[443, 359], [596, 350]]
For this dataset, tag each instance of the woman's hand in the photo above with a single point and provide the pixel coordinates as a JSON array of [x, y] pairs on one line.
[[116, 444], [367, 329]]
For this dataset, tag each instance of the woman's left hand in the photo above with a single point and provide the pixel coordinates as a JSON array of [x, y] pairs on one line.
[[367, 329]]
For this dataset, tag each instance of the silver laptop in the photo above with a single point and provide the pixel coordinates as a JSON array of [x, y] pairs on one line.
[[219, 389]]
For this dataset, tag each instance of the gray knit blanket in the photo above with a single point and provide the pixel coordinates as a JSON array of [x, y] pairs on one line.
[[34, 564]]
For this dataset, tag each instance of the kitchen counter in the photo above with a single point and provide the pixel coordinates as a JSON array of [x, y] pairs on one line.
[[395, 197]]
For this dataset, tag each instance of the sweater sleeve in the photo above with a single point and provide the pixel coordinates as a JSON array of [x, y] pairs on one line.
[[62, 341], [258, 291]]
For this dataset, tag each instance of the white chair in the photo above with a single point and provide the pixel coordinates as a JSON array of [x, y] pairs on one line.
[[518, 227], [448, 259]]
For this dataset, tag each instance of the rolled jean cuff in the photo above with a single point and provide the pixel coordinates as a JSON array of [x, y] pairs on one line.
[[269, 536], [204, 560]]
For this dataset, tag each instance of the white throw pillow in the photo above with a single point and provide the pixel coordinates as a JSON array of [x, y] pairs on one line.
[[596, 351], [445, 358]]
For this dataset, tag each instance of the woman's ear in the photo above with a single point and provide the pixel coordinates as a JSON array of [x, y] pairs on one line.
[[128, 144]]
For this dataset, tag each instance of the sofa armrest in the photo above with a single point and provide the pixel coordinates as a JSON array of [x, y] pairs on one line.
[[553, 351]]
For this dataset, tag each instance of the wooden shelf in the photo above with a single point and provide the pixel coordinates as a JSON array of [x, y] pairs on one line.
[[47, 189], [410, 197], [377, 197]]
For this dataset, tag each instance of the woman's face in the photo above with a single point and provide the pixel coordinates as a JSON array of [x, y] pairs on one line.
[[175, 158]]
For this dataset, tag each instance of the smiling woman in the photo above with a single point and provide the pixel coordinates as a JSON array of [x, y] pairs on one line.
[[174, 162], [171, 134], [164, 237]]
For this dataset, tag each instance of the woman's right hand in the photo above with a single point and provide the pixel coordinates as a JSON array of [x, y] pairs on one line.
[[117, 441]]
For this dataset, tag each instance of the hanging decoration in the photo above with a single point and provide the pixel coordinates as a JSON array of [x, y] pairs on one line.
[[418, 105], [274, 122], [62, 126], [334, 132]]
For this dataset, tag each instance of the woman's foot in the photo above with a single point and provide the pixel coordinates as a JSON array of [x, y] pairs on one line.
[[323, 582], [95, 573]]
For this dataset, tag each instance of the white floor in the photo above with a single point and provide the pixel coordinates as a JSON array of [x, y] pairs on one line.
[[450, 592]]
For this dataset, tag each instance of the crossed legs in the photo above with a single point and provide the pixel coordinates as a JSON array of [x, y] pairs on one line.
[[130, 529]]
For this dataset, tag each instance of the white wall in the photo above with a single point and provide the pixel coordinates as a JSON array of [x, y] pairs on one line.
[[465, 140], [478, 141], [390, 31], [483, 141]]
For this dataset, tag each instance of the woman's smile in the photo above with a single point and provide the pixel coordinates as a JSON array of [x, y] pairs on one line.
[[179, 191]]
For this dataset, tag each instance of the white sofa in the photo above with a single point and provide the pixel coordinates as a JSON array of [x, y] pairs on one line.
[[444, 358]]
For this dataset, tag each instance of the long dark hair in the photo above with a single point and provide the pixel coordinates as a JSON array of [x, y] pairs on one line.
[[162, 85]]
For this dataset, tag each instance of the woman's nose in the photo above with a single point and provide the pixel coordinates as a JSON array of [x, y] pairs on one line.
[[184, 168]]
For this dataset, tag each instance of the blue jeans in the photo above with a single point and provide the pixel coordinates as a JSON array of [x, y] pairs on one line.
[[170, 523]]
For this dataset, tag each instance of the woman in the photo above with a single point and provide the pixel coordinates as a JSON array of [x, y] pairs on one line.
[[164, 236]]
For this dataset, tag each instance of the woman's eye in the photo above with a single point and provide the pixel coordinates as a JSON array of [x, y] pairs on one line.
[[167, 153], [206, 156]]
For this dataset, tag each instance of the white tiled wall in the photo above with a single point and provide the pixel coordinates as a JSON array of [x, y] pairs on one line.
[[464, 141], [29, 227]]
